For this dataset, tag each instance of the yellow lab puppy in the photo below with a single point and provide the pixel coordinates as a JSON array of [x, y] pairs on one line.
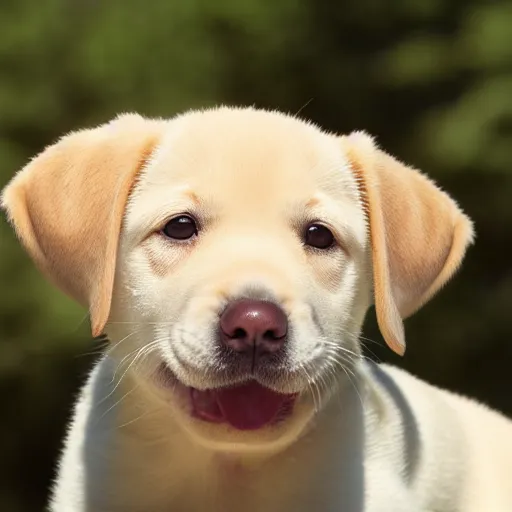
[[231, 256]]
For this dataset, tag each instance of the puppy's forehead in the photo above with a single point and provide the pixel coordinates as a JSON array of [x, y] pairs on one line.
[[246, 155]]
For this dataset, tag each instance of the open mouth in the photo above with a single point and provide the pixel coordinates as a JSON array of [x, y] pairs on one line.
[[249, 406], [246, 406]]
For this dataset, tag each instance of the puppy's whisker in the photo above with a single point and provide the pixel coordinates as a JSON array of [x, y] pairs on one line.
[[310, 382], [136, 352], [90, 354], [303, 107], [125, 358], [369, 340], [375, 357], [348, 358], [334, 344], [81, 322], [143, 415], [117, 403], [158, 340], [359, 337], [98, 350], [363, 342], [347, 353], [350, 375], [316, 382], [324, 376], [139, 322], [145, 353], [129, 335]]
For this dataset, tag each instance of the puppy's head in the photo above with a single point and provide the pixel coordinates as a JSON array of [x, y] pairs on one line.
[[232, 254]]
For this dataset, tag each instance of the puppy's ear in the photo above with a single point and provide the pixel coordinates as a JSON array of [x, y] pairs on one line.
[[67, 206], [418, 234]]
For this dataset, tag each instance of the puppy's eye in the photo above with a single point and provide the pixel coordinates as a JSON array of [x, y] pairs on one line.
[[182, 227], [317, 235]]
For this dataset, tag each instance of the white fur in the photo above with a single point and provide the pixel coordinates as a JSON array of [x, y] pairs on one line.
[[363, 437]]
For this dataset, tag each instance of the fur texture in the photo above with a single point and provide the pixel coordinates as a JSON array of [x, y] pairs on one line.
[[362, 437]]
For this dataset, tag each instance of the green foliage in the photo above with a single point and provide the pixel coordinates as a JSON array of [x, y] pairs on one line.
[[431, 79]]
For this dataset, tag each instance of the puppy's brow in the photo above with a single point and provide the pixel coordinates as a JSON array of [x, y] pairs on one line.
[[192, 196], [311, 203]]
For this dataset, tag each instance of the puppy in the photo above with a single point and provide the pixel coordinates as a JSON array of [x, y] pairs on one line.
[[231, 255]]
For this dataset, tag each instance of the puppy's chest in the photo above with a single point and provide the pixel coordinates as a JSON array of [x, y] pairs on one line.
[[219, 484], [181, 479], [228, 484], [232, 483]]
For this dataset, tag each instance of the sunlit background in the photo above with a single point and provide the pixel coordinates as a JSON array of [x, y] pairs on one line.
[[432, 79]]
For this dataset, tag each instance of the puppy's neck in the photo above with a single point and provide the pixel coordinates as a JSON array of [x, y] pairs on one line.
[[136, 442]]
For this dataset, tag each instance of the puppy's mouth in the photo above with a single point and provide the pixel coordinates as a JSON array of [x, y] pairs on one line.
[[249, 406], [246, 406]]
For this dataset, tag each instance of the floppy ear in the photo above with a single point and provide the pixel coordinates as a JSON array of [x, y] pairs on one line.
[[418, 234], [67, 206]]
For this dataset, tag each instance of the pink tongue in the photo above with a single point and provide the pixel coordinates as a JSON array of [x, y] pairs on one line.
[[246, 407]]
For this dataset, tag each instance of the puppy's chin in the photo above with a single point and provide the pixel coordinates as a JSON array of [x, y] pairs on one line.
[[284, 421]]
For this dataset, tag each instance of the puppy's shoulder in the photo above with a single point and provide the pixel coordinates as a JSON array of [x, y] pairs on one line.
[[74, 474]]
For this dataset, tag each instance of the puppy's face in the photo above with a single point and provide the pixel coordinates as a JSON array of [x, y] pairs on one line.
[[231, 256], [243, 263]]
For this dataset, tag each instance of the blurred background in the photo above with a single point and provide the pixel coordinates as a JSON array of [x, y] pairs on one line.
[[431, 79]]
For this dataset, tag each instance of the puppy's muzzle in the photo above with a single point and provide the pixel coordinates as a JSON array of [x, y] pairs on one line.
[[252, 337], [253, 330]]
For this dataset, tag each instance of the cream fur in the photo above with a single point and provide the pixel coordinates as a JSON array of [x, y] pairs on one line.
[[362, 437]]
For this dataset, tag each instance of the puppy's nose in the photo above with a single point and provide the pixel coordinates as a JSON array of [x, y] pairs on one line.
[[253, 326]]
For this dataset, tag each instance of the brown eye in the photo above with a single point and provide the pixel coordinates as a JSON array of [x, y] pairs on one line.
[[318, 236], [180, 228]]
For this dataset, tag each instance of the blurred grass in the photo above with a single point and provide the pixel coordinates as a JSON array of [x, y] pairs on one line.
[[431, 79]]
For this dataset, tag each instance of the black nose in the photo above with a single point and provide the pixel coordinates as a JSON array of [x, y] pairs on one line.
[[255, 327]]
